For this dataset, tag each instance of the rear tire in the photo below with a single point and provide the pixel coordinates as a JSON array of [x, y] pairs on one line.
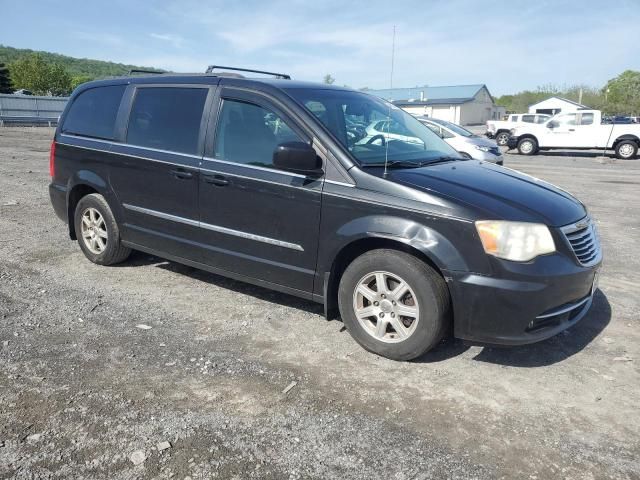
[[528, 146], [626, 149], [502, 138], [97, 231], [403, 317]]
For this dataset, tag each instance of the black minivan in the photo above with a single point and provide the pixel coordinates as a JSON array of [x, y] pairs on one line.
[[277, 183]]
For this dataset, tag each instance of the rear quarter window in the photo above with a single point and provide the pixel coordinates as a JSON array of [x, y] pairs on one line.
[[93, 112]]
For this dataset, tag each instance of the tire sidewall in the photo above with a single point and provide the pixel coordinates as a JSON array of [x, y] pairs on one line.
[[431, 320], [506, 139], [627, 142], [534, 146], [113, 235]]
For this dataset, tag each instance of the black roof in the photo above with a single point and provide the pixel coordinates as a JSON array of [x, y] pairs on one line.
[[207, 79]]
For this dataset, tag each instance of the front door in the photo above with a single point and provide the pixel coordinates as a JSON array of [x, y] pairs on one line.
[[155, 169], [256, 220], [562, 133]]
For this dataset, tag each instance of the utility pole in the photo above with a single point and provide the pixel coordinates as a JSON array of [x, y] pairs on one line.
[[580, 96]]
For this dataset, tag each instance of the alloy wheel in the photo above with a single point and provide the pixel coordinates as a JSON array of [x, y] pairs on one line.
[[94, 231], [386, 307]]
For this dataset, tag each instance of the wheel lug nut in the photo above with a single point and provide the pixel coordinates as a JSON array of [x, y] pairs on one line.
[[375, 304], [383, 296], [393, 302], [393, 315], [381, 314]]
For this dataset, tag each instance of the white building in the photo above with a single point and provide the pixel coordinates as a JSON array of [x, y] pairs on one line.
[[554, 105], [461, 104]]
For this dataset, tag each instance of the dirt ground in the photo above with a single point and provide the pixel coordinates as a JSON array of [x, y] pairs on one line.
[[87, 389]]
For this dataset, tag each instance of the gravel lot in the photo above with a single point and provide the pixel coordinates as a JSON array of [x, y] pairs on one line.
[[87, 389]]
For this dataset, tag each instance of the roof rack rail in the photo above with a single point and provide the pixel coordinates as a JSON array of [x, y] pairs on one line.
[[211, 68], [136, 70]]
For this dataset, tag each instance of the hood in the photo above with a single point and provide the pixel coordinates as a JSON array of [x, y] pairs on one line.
[[495, 192], [482, 141]]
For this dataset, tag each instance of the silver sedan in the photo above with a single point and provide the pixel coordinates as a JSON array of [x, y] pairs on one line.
[[465, 142]]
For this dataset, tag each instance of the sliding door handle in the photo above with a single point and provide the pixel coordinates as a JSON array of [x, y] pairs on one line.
[[218, 180], [182, 174]]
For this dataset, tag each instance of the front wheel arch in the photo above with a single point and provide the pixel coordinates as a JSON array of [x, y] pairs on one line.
[[352, 251], [536, 144]]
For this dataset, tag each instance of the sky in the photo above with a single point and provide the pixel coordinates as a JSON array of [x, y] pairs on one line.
[[509, 46]]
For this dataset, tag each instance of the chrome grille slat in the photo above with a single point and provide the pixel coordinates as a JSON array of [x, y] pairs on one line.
[[583, 240]]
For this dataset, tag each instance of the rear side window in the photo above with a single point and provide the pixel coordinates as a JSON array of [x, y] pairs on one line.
[[586, 119], [167, 118], [514, 118], [528, 118], [93, 112]]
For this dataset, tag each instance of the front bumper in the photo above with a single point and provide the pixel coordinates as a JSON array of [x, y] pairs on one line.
[[524, 303]]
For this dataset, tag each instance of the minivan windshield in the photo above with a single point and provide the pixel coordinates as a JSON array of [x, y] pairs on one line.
[[372, 129]]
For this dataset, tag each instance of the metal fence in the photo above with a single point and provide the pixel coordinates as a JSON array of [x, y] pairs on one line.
[[30, 110]]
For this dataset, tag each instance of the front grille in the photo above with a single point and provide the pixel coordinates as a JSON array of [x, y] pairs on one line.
[[583, 238]]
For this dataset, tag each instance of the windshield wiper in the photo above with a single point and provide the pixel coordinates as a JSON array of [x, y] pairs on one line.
[[410, 164]]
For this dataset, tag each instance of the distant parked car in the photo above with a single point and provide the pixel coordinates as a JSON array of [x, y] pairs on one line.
[[580, 130], [22, 91], [380, 130], [618, 119], [465, 142], [499, 129]]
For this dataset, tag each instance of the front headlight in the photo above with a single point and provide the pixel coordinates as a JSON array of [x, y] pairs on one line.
[[516, 241], [482, 148]]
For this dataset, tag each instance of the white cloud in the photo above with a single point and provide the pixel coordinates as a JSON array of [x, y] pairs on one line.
[[176, 41]]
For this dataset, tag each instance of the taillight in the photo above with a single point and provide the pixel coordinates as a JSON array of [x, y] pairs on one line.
[[52, 159]]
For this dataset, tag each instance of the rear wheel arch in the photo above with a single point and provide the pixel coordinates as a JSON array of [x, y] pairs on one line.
[[74, 196], [622, 138]]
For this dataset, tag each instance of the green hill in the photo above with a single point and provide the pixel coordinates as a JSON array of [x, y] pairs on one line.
[[75, 66]]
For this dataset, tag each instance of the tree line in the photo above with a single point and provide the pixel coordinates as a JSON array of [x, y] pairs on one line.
[[619, 96], [45, 73]]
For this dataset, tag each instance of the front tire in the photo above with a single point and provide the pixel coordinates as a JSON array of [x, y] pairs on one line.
[[97, 231], [393, 304], [626, 149], [502, 139], [528, 146]]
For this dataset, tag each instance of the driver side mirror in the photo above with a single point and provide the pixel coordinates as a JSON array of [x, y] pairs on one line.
[[297, 157], [552, 124]]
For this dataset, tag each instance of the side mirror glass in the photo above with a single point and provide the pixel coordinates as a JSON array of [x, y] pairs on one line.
[[552, 124], [297, 157]]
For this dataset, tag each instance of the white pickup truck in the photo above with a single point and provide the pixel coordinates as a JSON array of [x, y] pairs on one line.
[[577, 130], [499, 129]]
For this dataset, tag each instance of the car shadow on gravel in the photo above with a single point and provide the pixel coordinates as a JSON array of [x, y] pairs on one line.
[[558, 348], [143, 259], [547, 352]]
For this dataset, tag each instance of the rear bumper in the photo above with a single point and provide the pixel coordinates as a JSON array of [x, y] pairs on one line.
[[58, 196], [518, 311]]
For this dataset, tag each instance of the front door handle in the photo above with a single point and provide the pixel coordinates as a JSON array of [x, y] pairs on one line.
[[218, 180], [182, 174], [572, 129]]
